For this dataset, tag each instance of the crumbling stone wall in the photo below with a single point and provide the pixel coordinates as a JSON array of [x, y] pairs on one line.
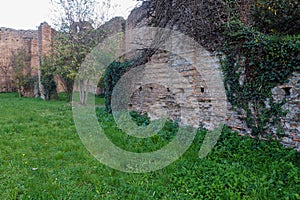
[[113, 26], [46, 35], [291, 122], [152, 98], [158, 100], [35, 42], [10, 41], [165, 96]]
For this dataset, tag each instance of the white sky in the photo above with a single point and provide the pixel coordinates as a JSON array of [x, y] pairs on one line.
[[28, 14]]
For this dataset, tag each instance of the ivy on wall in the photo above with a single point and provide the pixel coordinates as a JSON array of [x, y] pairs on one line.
[[254, 64], [112, 75], [260, 53]]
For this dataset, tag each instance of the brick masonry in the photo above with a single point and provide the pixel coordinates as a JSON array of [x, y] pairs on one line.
[[169, 84], [35, 42], [158, 97]]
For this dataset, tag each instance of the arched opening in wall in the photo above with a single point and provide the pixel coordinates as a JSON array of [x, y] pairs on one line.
[[156, 100]]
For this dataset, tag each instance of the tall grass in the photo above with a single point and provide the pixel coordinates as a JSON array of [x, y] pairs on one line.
[[42, 157]]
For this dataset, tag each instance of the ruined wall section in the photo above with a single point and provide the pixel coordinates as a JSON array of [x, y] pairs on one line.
[[291, 122], [152, 98], [10, 41], [169, 96], [161, 99], [113, 26], [46, 35], [37, 43]]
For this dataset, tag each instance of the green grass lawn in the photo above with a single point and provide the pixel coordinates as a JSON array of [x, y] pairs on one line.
[[42, 157]]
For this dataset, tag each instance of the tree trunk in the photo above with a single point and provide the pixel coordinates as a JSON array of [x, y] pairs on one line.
[[83, 92]]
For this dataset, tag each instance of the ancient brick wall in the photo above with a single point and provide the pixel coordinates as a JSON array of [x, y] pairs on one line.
[[157, 99], [10, 41], [173, 87], [46, 35], [35, 42]]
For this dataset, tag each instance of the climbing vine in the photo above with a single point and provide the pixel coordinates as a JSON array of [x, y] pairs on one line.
[[112, 75], [254, 64], [260, 42]]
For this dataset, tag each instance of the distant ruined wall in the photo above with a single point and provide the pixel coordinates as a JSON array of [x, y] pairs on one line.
[[35, 42], [46, 35], [10, 41]]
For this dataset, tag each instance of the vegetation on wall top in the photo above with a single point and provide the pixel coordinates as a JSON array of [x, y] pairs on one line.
[[259, 40]]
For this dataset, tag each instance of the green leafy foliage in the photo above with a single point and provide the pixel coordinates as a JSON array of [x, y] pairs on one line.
[[131, 143], [112, 75], [254, 64], [38, 134], [141, 120], [47, 78], [168, 131], [78, 34], [22, 77]]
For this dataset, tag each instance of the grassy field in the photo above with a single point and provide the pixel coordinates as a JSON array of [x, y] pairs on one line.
[[42, 157]]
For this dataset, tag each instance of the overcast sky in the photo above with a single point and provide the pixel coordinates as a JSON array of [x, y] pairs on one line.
[[28, 14]]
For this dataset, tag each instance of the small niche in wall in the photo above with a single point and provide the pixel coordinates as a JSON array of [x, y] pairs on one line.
[[202, 89], [287, 89]]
